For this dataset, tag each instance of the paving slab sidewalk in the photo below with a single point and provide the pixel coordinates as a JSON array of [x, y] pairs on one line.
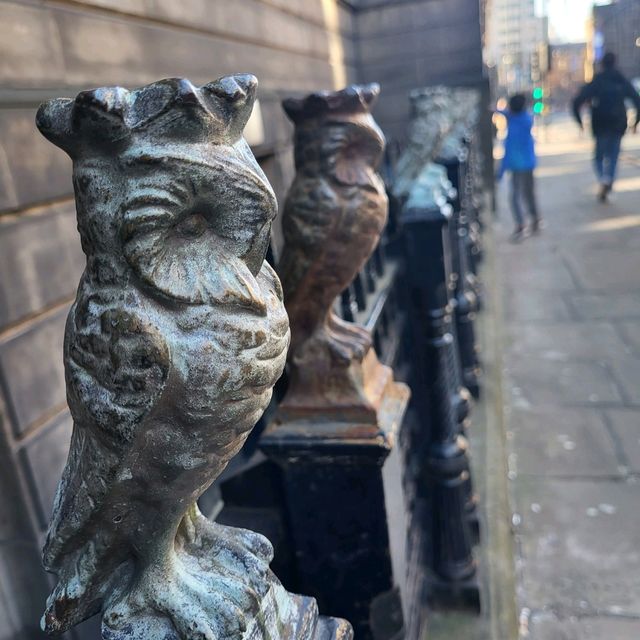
[[571, 376]]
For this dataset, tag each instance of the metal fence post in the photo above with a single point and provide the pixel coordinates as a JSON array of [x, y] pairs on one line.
[[446, 472]]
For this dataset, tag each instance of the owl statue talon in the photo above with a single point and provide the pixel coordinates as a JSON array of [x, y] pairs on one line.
[[351, 332], [196, 528], [199, 605], [342, 351], [244, 554]]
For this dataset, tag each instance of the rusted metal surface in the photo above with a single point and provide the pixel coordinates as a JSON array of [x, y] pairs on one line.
[[172, 347], [310, 437], [333, 217]]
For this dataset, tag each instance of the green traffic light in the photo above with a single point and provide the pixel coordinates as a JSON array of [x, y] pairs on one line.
[[538, 107], [538, 93]]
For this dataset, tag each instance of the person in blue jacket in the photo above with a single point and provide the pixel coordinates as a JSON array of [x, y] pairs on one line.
[[520, 160]]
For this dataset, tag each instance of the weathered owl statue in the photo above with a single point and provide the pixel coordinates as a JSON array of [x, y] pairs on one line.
[[173, 344], [431, 118], [333, 217]]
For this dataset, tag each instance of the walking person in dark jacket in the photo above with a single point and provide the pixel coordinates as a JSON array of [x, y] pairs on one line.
[[607, 93]]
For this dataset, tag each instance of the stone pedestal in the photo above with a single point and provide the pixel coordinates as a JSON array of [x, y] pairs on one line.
[[343, 484]]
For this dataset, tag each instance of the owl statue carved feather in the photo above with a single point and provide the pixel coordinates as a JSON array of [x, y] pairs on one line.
[[333, 216], [173, 344]]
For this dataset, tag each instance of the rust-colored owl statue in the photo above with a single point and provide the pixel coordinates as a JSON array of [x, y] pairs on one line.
[[333, 217]]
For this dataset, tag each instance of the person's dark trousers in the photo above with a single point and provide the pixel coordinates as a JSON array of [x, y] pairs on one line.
[[606, 157], [523, 190]]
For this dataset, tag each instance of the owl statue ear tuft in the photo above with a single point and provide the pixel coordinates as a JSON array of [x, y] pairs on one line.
[[237, 89], [354, 99], [101, 115], [106, 120], [95, 118], [237, 94], [292, 107], [370, 93], [54, 120]]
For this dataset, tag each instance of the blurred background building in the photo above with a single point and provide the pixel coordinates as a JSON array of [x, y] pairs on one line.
[[516, 44], [566, 73], [616, 28]]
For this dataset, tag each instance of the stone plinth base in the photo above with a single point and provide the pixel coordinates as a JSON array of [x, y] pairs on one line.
[[345, 504]]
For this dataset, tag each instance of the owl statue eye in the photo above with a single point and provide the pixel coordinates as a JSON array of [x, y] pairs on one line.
[[193, 226], [184, 256]]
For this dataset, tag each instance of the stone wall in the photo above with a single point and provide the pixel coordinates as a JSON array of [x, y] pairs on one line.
[[618, 24], [51, 48], [405, 44]]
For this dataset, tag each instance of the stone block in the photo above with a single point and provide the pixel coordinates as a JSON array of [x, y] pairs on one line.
[[631, 330], [549, 274], [579, 553], [143, 56], [522, 304], [625, 424], [433, 41], [607, 268], [303, 8], [548, 627], [15, 523], [31, 369], [30, 50], [346, 20], [247, 20], [606, 306], [403, 17], [43, 255], [278, 131], [626, 371], [145, 52], [8, 197], [533, 381], [43, 458], [39, 171], [561, 340], [394, 107], [23, 590], [562, 442], [129, 7], [394, 76]]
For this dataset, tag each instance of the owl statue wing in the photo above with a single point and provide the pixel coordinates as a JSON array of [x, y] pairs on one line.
[[312, 212], [116, 368]]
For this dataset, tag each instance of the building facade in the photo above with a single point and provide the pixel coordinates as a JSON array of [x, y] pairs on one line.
[[616, 28], [58, 48], [566, 73], [516, 44]]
